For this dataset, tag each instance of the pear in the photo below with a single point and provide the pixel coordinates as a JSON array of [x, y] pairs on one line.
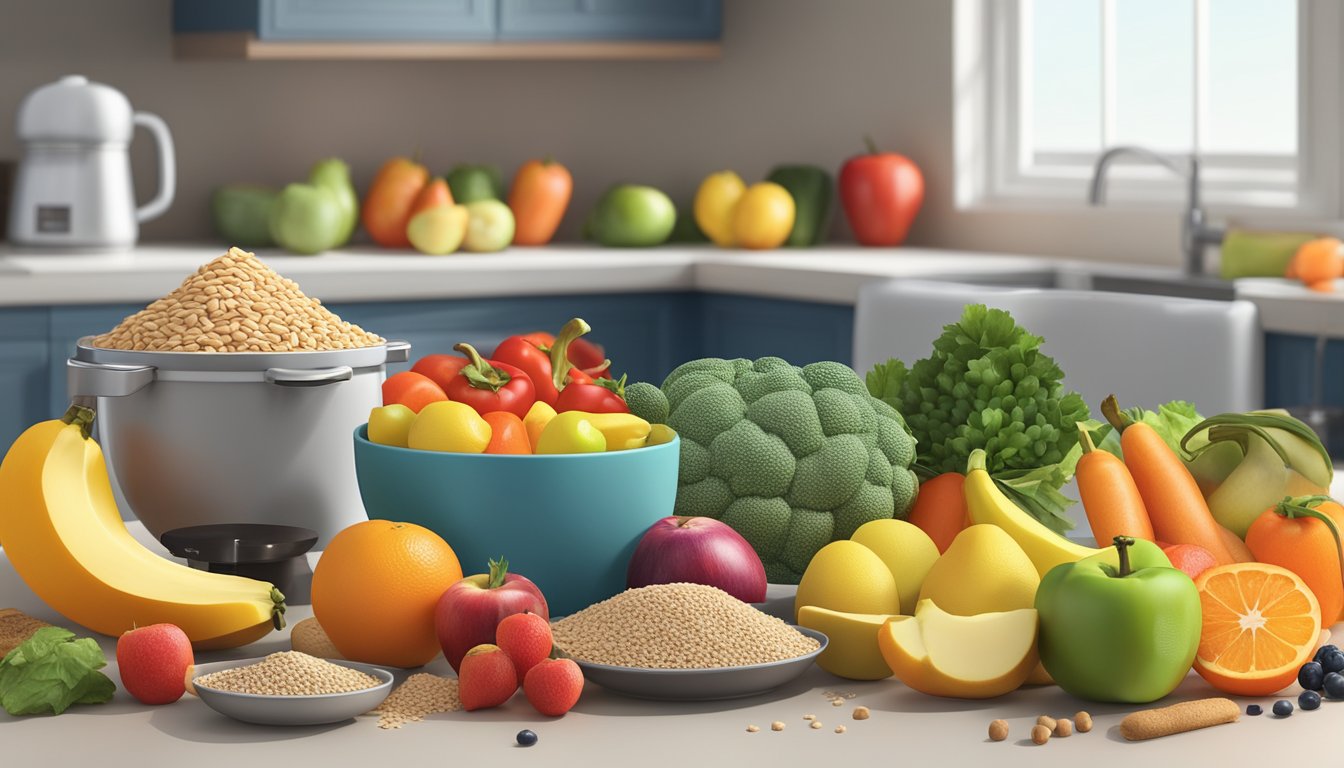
[[906, 549], [983, 571], [334, 174], [847, 576]]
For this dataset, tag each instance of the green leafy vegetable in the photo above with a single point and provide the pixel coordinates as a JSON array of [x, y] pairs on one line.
[[51, 671], [988, 385], [1171, 421]]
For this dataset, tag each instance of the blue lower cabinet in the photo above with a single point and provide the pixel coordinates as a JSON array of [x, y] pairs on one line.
[[1290, 376], [610, 19], [23, 371], [448, 20], [68, 326], [800, 332]]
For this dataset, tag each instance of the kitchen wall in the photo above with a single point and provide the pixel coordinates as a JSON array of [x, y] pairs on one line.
[[799, 80]]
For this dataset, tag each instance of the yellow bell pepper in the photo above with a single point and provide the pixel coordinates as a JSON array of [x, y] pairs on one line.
[[538, 416], [623, 430]]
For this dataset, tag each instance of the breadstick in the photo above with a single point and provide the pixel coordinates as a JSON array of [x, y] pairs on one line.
[[1179, 718]]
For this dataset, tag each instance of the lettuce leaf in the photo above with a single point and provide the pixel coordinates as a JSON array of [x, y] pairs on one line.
[[51, 671]]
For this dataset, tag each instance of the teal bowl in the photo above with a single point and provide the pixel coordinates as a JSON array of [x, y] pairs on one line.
[[567, 522]]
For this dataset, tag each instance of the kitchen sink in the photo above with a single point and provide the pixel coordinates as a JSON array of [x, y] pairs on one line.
[[1182, 286]]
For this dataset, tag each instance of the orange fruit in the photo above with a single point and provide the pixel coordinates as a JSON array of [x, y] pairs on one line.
[[1305, 546], [375, 588], [1261, 623]]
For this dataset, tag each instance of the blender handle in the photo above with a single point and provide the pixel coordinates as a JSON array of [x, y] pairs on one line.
[[167, 166], [84, 379]]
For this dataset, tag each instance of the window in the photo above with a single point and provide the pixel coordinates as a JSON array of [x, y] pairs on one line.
[[1045, 85]]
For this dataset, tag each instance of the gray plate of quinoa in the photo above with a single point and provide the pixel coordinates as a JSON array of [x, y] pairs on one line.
[[291, 688], [703, 684]]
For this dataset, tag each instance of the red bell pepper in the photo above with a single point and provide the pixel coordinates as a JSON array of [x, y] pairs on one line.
[[489, 385], [536, 360], [881, 192], [584, 393], [440, 368], [586, 355]]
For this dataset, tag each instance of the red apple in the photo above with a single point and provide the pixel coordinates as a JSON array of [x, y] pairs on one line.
[[153, 662], [469, 610], [700, 550]]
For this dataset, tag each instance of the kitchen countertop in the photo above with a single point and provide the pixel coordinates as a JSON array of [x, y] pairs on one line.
[[829, 274], [608, 729]]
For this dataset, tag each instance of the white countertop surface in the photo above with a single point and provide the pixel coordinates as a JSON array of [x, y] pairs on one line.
[[606, 729], [830, 274]]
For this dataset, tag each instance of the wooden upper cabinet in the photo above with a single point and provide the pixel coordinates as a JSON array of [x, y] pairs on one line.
[[408, 29], [610, 19]]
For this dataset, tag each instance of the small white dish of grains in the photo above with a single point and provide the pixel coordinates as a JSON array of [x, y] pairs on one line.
[[290, 688]]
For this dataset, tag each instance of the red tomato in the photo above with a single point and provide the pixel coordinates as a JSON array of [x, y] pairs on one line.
[[881, 192], [440, 368], [412, 390]]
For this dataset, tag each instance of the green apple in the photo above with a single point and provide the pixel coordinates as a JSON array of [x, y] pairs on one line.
[[470, 183], [308, 219], [630, 215], [334, 174], [438, 230], [242, 214], [489, 226]]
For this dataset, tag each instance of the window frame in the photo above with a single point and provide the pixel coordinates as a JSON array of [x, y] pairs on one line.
[[992, 171]]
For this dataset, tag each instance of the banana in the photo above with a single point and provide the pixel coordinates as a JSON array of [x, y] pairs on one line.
[[61, 530], [985, 503]]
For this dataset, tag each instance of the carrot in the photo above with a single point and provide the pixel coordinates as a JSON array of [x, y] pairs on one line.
[[540, 194], [1110, 498], [1176, 508], [940, 509], [387, 206]]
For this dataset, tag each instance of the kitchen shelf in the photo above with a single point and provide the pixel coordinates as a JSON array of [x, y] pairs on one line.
[[246, 46]]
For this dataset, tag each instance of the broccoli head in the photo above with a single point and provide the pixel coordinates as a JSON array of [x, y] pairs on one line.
[[792, 458]]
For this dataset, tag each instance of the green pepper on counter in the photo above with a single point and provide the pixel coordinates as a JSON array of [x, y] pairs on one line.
[[470, 183], [813, 192]]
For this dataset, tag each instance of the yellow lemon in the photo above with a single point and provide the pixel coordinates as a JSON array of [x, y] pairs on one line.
[[714, 203], [763, 218], [847, 576], [908, 552]]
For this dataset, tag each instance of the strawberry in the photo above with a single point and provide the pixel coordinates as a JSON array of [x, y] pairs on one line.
[[553, 686], [486, 679], [526, 638]]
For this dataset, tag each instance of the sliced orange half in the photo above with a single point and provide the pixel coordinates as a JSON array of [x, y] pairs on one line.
[[1261, 624]]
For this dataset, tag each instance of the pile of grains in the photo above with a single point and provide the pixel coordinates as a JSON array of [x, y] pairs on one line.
[[289, 673], [421, 695], [236, 304], [678, 626]]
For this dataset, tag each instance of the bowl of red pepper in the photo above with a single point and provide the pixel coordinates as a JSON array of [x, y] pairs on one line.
[[569, 522], [525, 454]]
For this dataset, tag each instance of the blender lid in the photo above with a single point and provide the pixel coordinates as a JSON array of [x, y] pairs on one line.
[[75, 109]]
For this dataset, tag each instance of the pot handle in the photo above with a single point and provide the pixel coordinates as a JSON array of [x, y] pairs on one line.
[[310, 377], [398, 351], [84, 379]]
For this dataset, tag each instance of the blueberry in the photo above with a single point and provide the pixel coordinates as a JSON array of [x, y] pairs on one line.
[[1324, 649], [1253, 709], [1334, 686], [1283, 707], [1311, 676], [1333, 661], [528, 738], [1309, 700]]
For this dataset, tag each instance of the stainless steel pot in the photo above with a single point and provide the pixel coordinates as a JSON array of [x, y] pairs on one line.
[[197, 438]]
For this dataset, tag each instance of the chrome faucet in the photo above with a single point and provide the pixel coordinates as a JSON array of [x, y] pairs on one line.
[[1195, 231]]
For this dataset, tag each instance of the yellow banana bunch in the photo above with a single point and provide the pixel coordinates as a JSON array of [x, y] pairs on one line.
[[61, 530], [985, 503]]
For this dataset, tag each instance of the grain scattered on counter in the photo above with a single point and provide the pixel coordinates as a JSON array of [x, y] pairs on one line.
[[421, 695], [839, 729], [289, 673], [678, 626], [861, 713], [1047, 721], [998, 730], [753, 728], [778, 725], [235, 304], [1063, 727], [1082, 722], [1039, 734]]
